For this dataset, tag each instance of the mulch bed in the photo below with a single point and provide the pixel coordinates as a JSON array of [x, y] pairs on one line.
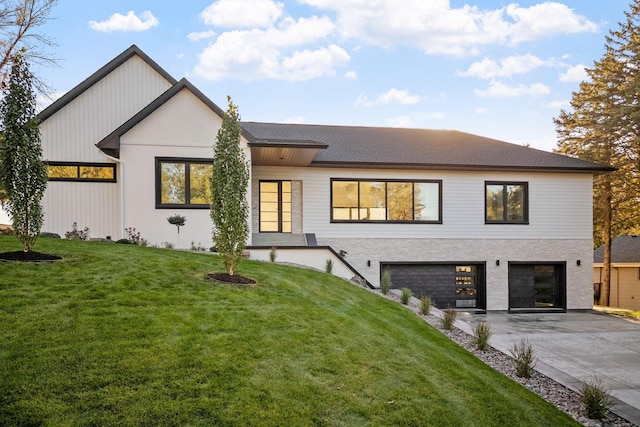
[[235, 279], [30, 256]]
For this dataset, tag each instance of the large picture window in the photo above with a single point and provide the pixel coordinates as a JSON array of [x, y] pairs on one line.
[[183, 183], [506, 203], [386, 201], [81, 172]]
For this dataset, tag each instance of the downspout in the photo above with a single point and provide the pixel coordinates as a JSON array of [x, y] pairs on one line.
[[122, 217]]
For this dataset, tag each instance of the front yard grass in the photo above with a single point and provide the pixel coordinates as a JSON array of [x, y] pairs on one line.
[[125, 335]]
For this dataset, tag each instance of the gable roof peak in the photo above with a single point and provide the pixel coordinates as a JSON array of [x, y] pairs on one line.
[[106, 69]]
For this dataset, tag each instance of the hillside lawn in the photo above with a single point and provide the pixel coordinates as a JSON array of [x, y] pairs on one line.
[[126, 335]]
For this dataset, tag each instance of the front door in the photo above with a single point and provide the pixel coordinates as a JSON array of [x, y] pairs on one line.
[[275, 206]]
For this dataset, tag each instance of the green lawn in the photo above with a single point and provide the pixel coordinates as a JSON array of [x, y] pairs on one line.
[[126, 335]]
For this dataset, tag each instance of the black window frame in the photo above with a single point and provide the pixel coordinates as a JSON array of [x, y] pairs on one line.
[[505, 215], [385, 221], [187, 161], [78, 165]]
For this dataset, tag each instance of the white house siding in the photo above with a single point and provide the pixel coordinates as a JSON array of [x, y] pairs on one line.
[[559, 228], [184, 128], [89, 204], [70, 135]]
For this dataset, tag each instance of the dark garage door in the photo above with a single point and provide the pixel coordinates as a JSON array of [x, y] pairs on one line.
[[459, 285], [537, 286]]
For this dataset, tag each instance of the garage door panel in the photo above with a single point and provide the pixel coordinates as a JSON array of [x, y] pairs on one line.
[[446, 286]]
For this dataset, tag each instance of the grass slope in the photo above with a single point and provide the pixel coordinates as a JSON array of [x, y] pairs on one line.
[[125, 335]]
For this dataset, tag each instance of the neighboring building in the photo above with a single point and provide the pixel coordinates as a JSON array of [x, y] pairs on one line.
[[474, 222], [625, 272]]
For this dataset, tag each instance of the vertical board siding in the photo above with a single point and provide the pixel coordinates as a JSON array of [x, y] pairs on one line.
[[559, 204], [72, 132], [89, 204]]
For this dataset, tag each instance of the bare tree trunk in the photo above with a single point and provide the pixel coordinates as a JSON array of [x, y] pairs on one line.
[[605, 290]]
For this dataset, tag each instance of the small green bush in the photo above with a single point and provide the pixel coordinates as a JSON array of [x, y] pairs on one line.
[[481, 335], [595, 398], [448, 319], [405, 295], [46, 234], [524, 358], [425, 305], [273, 254], [124, 241], [385, 282], [328, 267]]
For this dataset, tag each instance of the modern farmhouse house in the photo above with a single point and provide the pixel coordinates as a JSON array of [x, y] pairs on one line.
[[473, 222]]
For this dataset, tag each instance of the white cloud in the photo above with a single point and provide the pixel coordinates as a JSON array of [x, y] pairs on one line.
[[498, 89], [507, 67], [351, 75], [308, 64], [392, 96], [271, 53], [201, 35], [437, 28], [480, 110], [573, 74], [242, 13], [125, 23]]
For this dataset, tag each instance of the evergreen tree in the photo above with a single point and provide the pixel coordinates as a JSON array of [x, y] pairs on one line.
[[22, 171], [603, 127], [229, 183]]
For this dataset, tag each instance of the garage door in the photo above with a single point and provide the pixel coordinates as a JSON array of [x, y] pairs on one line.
[[459, 285], [537, 286]]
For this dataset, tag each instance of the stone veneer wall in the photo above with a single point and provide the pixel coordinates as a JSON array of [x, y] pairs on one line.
[[578, 278]]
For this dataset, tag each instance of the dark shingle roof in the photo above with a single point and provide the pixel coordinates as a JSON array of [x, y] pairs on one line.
[[624, 249], [357, 146]]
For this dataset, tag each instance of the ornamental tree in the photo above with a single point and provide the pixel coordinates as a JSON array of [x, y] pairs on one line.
[[229, 183], [22, 171]]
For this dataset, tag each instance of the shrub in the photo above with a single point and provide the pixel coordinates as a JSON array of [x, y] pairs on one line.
[[328, 267], [405, 295], [76, 234], [177, 220], [123, 241], [425, 305], [481, 335], [197, 247], [385, 282], [167, 245], [273, 254], [46, 234], [524, 358], [134, 237], [595, 398], [448, 319]]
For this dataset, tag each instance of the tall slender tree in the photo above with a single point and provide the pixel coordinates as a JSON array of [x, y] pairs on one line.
[[603, 126], [22, 170], [229, 183]]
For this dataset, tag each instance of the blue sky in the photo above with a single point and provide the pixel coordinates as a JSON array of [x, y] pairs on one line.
[[493, 68], [489, 67]]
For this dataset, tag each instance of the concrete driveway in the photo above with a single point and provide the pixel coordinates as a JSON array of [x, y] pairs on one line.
[[575, 346]]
